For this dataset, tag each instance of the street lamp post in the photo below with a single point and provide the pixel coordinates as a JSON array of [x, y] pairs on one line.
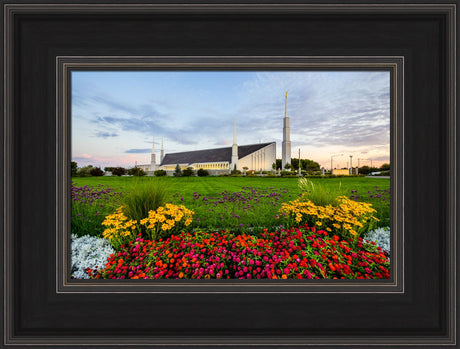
[[333, 156], [300, 173]]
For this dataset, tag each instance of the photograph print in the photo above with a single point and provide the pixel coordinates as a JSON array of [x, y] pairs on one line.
[[230, 175]]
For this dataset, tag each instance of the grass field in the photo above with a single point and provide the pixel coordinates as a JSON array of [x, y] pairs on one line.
[[248, 202], [214, 185]]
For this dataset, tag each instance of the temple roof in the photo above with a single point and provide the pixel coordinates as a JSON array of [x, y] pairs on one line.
[[210, 155]]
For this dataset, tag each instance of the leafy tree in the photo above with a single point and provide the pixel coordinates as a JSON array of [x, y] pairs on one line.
[[202, 173], [96, 171], [177, 171], [159, 173], [188, 172], [119, 171], [136, 171], [84, 171], [73, 168], [279, 164], [287, 166], [108, 169], [385, 167], [294, 164], [274, 165], [366, 170], [309, 165]]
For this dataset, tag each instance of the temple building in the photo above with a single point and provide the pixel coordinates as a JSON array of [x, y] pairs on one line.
[[251, 157], [256, 157]]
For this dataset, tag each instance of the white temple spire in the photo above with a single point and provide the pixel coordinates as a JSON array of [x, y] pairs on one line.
[[153, 161], [162, 152], [234, 148], [286, 145]]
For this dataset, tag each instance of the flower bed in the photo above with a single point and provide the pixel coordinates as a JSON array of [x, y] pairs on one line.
[[89, 207], [297, 253], [346, 218]]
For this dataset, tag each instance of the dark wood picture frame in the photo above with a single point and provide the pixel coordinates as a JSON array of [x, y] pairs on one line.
[[44, 41]]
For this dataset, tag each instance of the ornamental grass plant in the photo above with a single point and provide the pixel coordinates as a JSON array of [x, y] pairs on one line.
[[320, 195], [143, 196]]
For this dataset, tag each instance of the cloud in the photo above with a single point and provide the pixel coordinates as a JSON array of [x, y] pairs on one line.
[[84, 156], [381, 158], [102, 134], [138, 151]]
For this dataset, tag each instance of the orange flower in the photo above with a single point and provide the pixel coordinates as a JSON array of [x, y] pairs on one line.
[[284, 276], [120, 261], [142, 275], [181, 275]]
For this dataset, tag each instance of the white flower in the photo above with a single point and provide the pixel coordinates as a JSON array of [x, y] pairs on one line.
[[88, 252], [381, 236]]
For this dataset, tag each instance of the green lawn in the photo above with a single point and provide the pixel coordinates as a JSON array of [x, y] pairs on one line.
[[186, 186], [242, 202]]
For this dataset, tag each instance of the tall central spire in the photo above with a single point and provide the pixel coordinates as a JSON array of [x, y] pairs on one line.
[[153, 161], [234, 148], [162, 152], [286, 145]]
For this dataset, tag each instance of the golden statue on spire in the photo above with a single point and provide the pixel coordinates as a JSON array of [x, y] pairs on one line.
[[286, 94]]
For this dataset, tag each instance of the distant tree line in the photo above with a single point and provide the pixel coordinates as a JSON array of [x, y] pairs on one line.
[[92, 171], [305, 164], [367, 169]]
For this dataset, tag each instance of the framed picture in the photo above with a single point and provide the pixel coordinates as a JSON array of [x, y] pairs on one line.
[[369, 82]]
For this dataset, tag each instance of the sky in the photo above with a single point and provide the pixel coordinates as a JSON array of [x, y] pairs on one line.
[[115, 115]]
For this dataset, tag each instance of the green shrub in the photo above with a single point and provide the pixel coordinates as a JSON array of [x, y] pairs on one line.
[[177, 171], [136, 171], [202, 173], [159, 173], [142, 197], [96, 172], [84, 171], [119, 171], [188, 172]]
